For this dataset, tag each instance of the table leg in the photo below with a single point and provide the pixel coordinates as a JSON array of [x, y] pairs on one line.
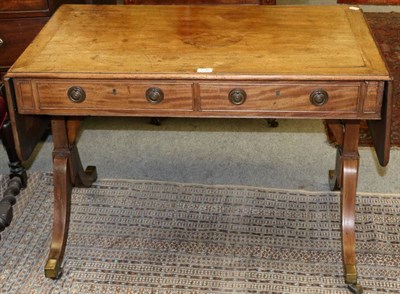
[[68, 172], [18, 176], [6, 136], [345, 177]]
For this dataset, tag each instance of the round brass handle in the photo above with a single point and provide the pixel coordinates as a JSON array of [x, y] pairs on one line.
[[237, 96], [154, 95], [76, 94], [319, 97], [1, 42]]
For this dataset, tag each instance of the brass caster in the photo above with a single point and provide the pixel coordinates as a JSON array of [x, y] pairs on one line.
[[52, 270], [355, 288], [351, 279]]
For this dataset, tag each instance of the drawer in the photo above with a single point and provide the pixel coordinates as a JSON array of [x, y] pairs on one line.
[[280, 97], [105, 96], [22, 5], [16, 35]]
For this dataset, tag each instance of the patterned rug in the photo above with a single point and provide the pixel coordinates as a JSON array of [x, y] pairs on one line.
[[158, 237], [386, 30]]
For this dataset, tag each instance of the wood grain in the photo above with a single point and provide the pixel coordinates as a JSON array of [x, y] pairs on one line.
[[380, 130], [27, 130], [319, 42], [22, 5], [191, 2], [293, 97], [277, 55], [114, 95], [17, 34], [199, 98]]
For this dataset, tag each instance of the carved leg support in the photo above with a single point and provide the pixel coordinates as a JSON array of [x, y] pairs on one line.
[[62, 206], [345, 178], [348, 203], [68, 172]]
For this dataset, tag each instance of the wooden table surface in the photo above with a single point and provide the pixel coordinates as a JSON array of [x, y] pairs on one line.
[[255, 61], [286, 42]]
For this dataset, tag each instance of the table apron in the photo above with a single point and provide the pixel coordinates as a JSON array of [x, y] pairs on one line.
[[280, 99]]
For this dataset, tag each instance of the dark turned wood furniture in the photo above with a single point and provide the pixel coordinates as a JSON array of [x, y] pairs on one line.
[[20, 21], [203, 61]]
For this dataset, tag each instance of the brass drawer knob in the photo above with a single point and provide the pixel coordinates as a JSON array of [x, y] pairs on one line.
[[1, 42], [319, 97], [76, 94], [237, 96], [154, 95]]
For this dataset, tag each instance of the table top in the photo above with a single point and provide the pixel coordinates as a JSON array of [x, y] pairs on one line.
[[222, 42]]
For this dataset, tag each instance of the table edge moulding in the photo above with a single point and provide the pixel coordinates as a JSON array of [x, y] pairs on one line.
[[204, 61]]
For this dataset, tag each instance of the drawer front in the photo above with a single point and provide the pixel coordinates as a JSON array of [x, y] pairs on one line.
[[16, 35], [112, 96], [280, 97], [22, 5]]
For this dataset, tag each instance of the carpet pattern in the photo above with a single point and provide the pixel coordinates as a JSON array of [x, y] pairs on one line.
[[158, 237], [386, 30]]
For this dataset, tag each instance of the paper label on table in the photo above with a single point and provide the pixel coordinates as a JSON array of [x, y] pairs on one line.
[[204, 70], [354, 8]]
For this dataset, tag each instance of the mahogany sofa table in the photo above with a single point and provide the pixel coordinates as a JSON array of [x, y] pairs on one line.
[[203, 61]]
